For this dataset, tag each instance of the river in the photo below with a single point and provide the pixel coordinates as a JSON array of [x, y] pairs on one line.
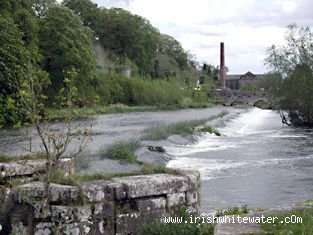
[[257, 161], [109, 128]]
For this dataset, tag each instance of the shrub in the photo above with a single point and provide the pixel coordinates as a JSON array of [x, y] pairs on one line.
[[211, 130], [163, 131], [123, 150], [138, 91], [82, 160]]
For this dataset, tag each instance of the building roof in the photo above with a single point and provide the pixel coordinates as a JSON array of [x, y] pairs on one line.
[[247, 74], [233, 76]]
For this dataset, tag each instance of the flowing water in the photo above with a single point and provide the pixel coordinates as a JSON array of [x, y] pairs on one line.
[[257, 161], [109, 128]]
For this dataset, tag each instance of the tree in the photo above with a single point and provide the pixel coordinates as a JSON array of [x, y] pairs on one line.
[[9, 6], [86, 10], [294, 63], [164, 66], [128, 36], [65, 45], [171, 47], [53, 144], [13, 58], [40, 7], [27, 24]]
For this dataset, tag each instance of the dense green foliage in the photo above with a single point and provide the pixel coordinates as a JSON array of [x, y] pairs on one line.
[[13, 60], [136, 91], [65, 45], [292, 76], [43, 42]]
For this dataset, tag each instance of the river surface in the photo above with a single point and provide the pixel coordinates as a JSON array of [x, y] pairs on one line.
[[257, 161], [109, 128]]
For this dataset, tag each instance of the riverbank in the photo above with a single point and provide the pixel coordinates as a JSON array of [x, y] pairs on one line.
[[84, 112], [294, 220]]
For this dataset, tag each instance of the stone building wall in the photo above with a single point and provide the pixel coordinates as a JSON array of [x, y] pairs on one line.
[[117, 206]]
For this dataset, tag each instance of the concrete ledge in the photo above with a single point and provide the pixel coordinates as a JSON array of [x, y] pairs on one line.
[[157, 184], [117, 206], [30, 167]]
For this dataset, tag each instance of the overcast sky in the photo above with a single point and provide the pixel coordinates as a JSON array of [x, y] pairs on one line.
[[247, 27]]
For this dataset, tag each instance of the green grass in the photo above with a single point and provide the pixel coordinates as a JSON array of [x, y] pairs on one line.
[[59, 114], [233, 211], [147, 169], [308, 201], [6, 158], [159, 228], [162, 131], [54, 114], [122, 150], [278, 228], [83, 160], [60, 177], [210, 130]]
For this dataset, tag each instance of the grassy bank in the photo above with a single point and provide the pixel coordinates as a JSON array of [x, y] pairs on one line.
[[4, 158], [284, 226], [58, 114]]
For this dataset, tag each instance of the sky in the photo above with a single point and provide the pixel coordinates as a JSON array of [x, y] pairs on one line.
[[247, 27]]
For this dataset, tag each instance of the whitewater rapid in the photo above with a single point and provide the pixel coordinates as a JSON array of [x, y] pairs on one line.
[[253, 152]]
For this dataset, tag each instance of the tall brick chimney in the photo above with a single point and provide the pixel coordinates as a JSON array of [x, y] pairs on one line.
[[222, 67]]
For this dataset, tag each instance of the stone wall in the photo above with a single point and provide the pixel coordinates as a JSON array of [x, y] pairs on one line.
[[232, 97], [117, 206]]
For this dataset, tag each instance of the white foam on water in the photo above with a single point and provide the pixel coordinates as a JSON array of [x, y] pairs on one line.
[[208, 168], [247, 123], [244, 124], [280, 134], [202, 146], [276, 161], [236, 133]]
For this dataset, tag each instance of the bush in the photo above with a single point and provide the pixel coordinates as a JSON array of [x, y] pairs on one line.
[[211, 130], [163, 131], [123, 150], [82, 160], [113, 89]]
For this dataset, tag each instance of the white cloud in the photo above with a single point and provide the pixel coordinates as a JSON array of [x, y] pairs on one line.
[[247, 27]]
